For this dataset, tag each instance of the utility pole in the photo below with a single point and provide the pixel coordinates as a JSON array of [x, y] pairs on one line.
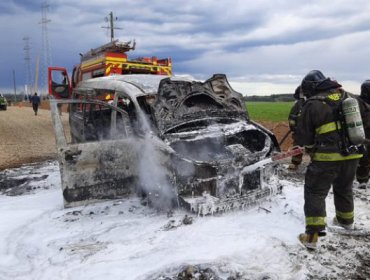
[[111, 26], [27, 60], [36, 84], [15, 88], [45, 50]]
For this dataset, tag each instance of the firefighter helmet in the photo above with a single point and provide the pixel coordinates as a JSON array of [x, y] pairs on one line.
[[365, 91], [297, 93], [311, 81]]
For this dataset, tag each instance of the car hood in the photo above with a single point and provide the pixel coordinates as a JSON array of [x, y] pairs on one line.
[[181, 101]]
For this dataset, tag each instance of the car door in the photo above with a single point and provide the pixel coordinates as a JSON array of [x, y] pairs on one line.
[[59, 84], [94, 167]]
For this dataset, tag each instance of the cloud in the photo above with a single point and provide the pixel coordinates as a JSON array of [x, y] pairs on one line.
[[269, 47]]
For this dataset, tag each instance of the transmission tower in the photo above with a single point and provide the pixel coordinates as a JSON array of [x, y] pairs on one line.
[[111, 26], [45, 49], [27, 60]]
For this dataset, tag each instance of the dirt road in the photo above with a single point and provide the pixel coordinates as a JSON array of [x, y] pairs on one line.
[[26, 138]]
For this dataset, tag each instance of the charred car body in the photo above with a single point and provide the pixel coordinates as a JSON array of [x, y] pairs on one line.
[[174, 140]]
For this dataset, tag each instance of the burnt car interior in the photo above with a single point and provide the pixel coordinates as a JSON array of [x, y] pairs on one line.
[[93, 122], [221, 147]]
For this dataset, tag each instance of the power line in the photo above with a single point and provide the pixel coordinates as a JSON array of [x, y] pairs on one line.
[[111, 26]]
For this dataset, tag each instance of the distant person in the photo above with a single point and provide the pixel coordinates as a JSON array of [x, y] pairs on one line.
[[293, 117], [363, 169], [35, 100]]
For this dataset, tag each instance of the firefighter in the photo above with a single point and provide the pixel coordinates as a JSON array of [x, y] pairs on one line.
[[320, 132], [294, 114], [363, 169]]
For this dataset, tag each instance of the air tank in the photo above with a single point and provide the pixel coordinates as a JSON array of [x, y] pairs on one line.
[[352, 116]]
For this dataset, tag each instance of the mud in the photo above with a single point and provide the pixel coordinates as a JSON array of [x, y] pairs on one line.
[[26, 138]]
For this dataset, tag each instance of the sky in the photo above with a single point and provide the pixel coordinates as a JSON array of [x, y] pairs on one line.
[[264, 47]]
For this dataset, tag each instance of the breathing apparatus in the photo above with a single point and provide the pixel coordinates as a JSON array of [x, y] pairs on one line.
[[353, 121]]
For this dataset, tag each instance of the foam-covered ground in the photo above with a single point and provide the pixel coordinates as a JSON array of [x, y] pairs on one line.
[[123, 239]]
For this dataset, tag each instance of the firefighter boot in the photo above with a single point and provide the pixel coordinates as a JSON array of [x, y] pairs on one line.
[[309, 240], [345, 226], [362, 186]]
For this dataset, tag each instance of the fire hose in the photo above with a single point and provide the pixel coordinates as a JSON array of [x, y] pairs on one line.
[[280, 156], [285, 137], [277, 157]]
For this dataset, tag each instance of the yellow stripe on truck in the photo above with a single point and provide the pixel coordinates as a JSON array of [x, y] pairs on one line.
[[91, 63], [109, 66]]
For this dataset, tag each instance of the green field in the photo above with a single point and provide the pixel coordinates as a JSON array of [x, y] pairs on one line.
[[269, 111]]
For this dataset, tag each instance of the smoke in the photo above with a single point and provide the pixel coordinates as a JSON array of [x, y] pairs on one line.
[[154, 175]]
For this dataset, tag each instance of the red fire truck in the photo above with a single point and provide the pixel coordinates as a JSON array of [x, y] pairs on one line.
[[109, 59]]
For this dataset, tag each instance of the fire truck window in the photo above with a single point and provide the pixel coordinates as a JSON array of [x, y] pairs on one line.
[[59, 78], [59, 83], [98, 73], [86, 76]]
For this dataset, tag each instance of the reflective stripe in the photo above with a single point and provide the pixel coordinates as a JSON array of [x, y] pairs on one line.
[[328, 127], [335, 96], [345, 215], [334, 157], [360, 177], [315, 221]]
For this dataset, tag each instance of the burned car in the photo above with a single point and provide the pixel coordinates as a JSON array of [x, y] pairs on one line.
[[175, 141]]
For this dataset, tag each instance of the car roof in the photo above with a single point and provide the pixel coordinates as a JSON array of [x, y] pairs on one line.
[[134, 85]]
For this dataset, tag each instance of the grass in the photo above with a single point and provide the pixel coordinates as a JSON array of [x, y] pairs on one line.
[[269, 111]]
